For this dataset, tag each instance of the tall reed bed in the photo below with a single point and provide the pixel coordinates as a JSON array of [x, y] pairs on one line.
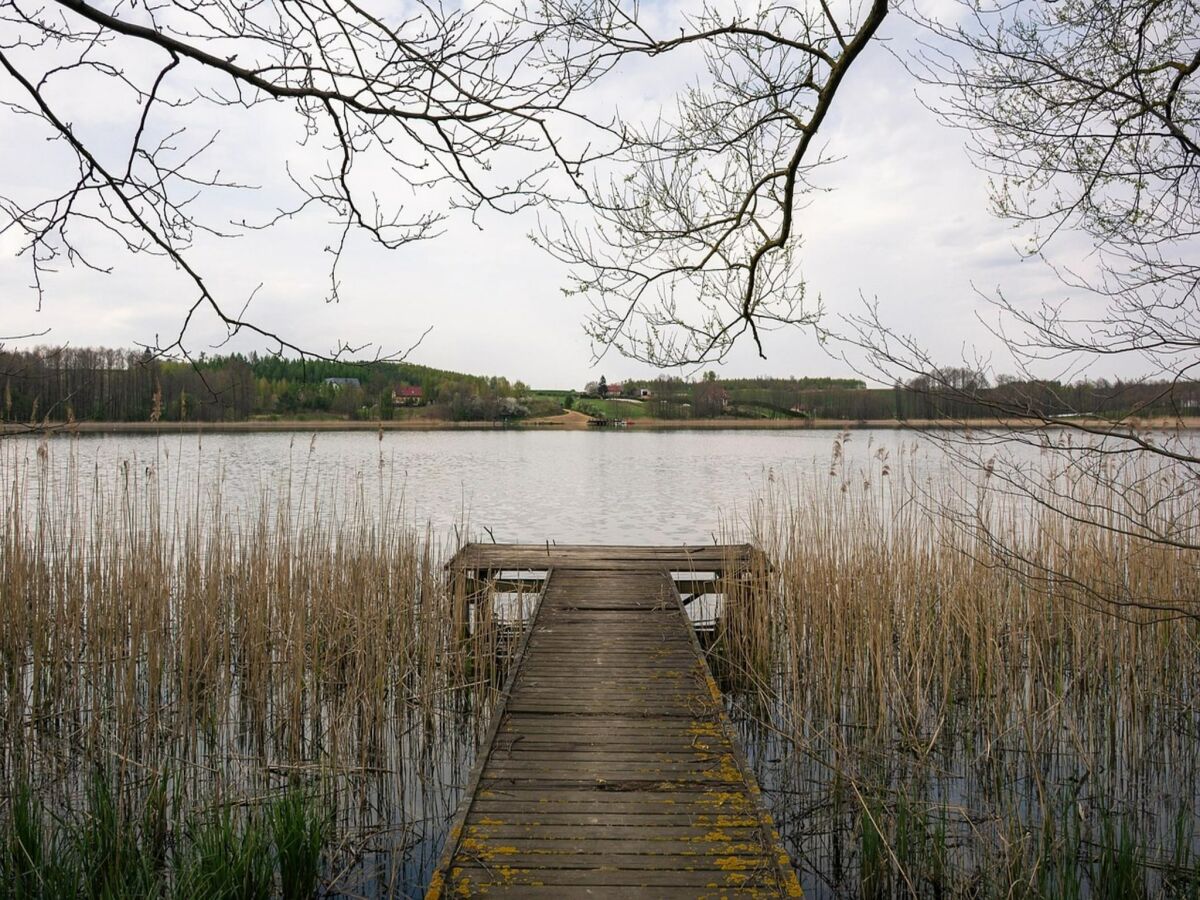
[[949, 691], [183, 684]]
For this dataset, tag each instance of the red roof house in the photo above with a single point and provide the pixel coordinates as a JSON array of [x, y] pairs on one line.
[[408, 395]]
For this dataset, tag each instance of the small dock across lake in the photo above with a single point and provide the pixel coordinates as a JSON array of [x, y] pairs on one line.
[[611, 769]]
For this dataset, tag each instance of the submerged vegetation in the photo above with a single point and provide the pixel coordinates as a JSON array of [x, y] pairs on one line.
[[939, 701], [198, 701], [107, 849]]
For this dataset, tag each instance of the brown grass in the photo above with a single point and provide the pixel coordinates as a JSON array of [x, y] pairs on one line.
[[150, 631], [958, 702]]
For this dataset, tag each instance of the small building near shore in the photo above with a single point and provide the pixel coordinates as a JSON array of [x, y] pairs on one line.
[[408, 395], [342, 382]]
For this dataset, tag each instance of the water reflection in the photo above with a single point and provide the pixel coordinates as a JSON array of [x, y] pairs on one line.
[[651, 487]]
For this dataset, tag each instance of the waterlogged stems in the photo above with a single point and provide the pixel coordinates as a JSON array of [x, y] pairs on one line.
[[940, 645], [150, 630]]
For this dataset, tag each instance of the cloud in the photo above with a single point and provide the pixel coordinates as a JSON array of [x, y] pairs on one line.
[[905, 222]]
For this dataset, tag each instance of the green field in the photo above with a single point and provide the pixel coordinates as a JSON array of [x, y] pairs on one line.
[[612, 409]]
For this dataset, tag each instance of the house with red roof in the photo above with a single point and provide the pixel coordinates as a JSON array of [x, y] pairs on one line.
[[408, 395]]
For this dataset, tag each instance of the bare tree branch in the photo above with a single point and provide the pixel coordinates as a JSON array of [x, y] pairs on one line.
[[450, 106], [691, 243]]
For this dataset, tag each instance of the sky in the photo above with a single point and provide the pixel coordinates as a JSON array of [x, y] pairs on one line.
[[904, 222]]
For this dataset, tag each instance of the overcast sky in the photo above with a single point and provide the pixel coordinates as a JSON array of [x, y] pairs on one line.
[[905, 222]]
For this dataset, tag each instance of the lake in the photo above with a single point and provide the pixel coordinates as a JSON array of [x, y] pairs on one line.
[[514, 486]]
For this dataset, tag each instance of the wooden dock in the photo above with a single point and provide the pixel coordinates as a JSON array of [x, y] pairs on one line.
[[611, 769]]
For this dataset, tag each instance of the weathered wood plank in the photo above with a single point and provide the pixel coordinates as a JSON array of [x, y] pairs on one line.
[[617, 892], [646, 834], [635, 817], [619, 560], [614, 892], [534, 798], [486, 873], [611, 769]]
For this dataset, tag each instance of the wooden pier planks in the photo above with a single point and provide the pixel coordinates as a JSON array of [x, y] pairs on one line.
[[612, 770], [708, 558]]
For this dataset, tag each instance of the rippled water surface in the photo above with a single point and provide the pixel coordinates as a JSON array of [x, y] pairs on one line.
[[521, 486]]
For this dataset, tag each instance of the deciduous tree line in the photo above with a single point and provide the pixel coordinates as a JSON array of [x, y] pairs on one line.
[[64, 384]]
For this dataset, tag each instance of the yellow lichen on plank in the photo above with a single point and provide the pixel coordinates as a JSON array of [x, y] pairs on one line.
[[615, 764], [486, 851]]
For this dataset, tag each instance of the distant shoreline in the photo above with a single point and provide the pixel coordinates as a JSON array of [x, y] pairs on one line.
[[570, 421]]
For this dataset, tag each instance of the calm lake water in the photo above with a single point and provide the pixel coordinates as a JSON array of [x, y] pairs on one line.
[[517, 486]]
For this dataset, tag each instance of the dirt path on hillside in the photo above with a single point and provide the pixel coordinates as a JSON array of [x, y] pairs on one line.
[[571, 418]]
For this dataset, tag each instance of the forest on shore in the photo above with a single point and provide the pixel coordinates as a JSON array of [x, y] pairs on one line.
[[65, 384], [82, 384]]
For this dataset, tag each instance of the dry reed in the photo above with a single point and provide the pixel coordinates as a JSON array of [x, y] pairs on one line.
[[936, 687], [153, 635], [948, 692]]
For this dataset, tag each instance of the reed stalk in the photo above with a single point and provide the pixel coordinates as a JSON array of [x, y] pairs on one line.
[[954, 683], [197, 662]]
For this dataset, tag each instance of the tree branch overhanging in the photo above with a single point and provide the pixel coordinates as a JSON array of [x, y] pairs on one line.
[[403, 121], [690, 242]]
